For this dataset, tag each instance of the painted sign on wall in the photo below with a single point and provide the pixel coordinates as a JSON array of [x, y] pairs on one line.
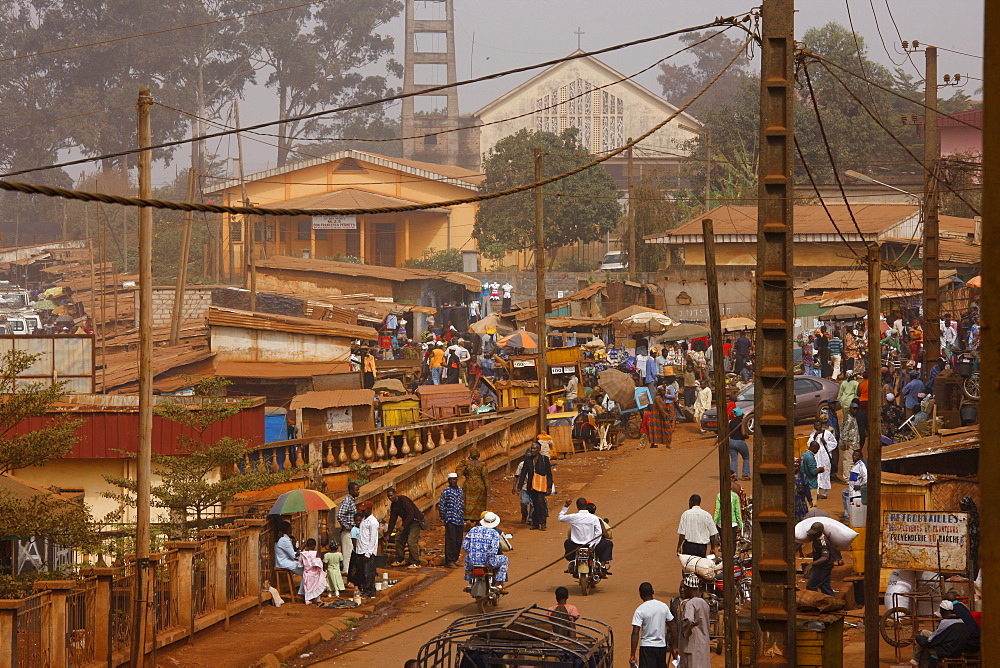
[[334, 222], [925, 540]]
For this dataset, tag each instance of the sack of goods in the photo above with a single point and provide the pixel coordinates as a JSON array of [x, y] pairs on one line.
[[839, 535], [705, 567]]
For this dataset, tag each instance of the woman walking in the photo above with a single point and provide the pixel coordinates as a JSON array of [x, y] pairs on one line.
[[662, 418], [738, 444], [476, 486]]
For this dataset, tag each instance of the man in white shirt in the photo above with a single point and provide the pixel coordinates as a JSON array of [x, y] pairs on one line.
[[572, 391], [858, 479], [652, 632], [697, 530], [463, 355], [367, 548], [584, 531], [825, 456]]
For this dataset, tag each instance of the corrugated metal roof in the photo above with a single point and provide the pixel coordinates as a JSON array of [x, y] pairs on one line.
[[632, 310], [227, 317], [278, 370], [333, 398], [397, 274], [350, 198], [20, 489], [570, 322], [949, 440], [852, 279]]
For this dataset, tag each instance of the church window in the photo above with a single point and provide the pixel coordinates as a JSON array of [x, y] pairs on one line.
[[599, 116]]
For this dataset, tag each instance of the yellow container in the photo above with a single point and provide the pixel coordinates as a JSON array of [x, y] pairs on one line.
[[858, 550], [801, 443]]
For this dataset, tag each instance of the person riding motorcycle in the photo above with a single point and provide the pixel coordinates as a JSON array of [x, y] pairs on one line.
[[586, 530], [483, 546]]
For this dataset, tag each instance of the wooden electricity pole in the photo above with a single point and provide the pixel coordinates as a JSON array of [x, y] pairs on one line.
[[989, 457], [249, 233], [542, 368], [182, 263], [633, 243], [932, 288], [873, 525], [772, 605], [144, 450], [722, 444]]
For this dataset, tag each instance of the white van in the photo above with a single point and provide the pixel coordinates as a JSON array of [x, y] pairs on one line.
[[614, 261]]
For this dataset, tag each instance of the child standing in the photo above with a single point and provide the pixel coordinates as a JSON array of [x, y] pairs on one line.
[[563, 614], [333, 560], [313, 582]]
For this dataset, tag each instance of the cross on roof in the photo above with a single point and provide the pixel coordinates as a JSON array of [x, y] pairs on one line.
[[579, 33]]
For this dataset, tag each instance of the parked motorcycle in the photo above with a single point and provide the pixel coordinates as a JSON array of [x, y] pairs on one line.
[[587, 569], [742, 577]]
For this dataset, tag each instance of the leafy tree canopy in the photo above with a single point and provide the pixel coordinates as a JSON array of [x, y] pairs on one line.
[[448, 259], [582, 207], [681, 82]]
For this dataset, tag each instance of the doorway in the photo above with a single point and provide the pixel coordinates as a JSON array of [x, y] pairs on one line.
[[385, 244]]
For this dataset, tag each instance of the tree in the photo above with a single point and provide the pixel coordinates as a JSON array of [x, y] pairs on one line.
[[318, 57], [449, 259], [655, 211], [42, 516], [681, 82], [581, 208], [205, 475]]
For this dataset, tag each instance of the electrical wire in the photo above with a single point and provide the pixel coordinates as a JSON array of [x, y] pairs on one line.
[[899, 35], [899, 141], [49, 191], [160, 32], [829, 152], [961, 53], [730, 21], [881, 37], [822, 201], [857, 48]]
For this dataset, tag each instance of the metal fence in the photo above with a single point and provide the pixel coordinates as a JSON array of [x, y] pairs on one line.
[[203, 581], [238, 566], [265, 553], [31, 634], [81, 624], [165, 578], [123, 595]]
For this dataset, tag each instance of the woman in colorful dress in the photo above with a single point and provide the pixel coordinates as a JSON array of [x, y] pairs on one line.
[[313, 576], [476, 486]]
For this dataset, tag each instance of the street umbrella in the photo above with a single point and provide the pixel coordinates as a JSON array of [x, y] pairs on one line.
[[44, 305], [619, 386], [975, 282], [300, 501], [491, 321], [595, 343], [52, 292], [685, 331], [389, 385], [737, 324], [519, 339], [844, 313], [647, 321]]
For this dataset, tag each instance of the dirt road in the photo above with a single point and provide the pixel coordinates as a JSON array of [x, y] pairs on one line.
[[642, 492]]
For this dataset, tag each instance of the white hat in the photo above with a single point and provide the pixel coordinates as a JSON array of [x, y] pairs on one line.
[[490, 520], [947, 605], [890, 397], [452, 475]]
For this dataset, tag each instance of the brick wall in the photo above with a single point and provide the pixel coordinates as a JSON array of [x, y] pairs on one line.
[[197, 300]]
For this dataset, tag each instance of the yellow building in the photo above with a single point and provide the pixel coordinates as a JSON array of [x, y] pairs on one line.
[[351, 179]]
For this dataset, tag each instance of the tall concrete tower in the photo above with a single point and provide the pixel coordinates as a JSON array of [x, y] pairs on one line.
[[430, 61]]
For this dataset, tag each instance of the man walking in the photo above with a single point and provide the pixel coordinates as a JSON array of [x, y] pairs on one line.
[[742, 350], [436, 363], [858, 478], [367, 548], [652, 634], [345, 518], [810, 468], [693, 639], [411, 520], [824, 454], [824, 556], [696, 531], [451, 509]]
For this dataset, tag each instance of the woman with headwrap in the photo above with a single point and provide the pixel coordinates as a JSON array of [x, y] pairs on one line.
[[476, 486]]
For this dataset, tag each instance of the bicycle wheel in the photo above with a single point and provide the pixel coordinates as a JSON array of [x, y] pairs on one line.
[[971, 387], [896, 626]]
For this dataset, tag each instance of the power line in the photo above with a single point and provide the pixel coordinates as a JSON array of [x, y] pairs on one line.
[[857, 47], [730, 21], [961, 53], [160, 32], [829, 152], [881, 37], [49, 191], [822, 201], [899, 141], [899, 35]]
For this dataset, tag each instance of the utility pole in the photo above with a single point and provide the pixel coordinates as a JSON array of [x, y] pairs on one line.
[[708, 170], [542, 367], [249, 233], [182, 263], [873, 524], [722, 444], [772, 605], [989, 457], [143, 463], [633, 243], [932, 303]]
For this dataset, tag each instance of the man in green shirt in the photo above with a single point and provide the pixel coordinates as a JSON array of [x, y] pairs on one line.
[[737, 514]]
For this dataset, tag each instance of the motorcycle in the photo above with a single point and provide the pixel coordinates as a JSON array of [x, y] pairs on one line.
[[587, 569], [482, 588], [742, 577]]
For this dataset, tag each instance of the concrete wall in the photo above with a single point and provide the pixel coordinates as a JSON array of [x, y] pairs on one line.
[[236, 344], [685, 292], [197, 300]]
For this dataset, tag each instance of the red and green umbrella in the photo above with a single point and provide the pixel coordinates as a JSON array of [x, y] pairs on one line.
[[300, 501]]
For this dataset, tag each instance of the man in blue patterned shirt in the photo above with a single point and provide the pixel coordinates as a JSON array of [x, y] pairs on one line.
[[451, 509]]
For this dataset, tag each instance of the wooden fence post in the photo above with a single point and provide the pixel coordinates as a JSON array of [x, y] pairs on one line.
[[55, 620]]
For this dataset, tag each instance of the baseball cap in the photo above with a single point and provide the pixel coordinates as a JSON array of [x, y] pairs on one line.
[[452, 475]]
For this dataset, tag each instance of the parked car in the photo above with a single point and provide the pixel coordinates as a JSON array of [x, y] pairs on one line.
[[614, 261], [811, 397]]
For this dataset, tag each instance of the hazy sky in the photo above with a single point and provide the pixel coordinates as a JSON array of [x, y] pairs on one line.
[[512, 33]]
